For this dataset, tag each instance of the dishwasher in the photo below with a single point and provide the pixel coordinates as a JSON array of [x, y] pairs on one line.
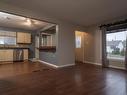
[[18, 55]]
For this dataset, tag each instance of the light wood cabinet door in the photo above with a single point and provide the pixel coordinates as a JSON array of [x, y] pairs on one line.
[[26, 54], [20, 37], [2, 55], [23, 37], [27, 37], [9, 55], [6, 55]]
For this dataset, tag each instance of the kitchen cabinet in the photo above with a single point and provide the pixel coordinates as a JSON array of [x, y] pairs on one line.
[[27, 38], [20, 37], [25, 54], [6, 55], [2, 55], [23, 38]]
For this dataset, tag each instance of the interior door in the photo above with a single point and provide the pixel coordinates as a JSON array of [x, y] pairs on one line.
[[79, 46]]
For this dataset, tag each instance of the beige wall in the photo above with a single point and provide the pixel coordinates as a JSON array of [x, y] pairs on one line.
[[66, 33], [92, 46]]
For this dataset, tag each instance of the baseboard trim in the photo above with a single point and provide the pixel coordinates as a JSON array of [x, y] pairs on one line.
[[117, 67], [122, 68], [92, 63], [55, 66], [49, 64], [67, 65]]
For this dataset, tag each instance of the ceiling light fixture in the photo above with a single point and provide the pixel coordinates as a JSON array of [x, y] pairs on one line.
[[28, 21]]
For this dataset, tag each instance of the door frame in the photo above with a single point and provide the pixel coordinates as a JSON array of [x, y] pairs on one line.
[[82, 46]]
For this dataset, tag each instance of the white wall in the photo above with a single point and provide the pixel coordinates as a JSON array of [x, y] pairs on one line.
[[66, 35]]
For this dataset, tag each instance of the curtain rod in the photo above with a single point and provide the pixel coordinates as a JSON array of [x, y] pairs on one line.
[[114, 24]]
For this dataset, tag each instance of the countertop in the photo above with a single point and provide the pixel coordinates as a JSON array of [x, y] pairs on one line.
[[12, 47], [47, 48]]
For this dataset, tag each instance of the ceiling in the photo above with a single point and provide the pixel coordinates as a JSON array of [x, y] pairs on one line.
[[19, 22], [80, 12]]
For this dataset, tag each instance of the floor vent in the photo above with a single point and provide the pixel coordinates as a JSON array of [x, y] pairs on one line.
[[36, 71], [45, 69]]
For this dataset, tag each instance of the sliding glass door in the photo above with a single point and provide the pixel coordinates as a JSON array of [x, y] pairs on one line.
[[116, 48]]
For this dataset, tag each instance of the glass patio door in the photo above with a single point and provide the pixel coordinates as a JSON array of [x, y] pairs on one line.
[[116, 48]]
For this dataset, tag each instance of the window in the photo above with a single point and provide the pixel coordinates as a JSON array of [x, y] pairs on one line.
[[7, 38], [78, 41], [116, 45]]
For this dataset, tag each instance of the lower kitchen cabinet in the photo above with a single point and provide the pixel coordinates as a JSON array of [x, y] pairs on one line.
[[25, 54], [9, 55], [6, 55], [2, 55]]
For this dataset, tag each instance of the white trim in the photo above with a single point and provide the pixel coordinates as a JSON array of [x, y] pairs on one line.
[[92, 63], [116, 59], [67, 65], [116, 67], [49, 26], [101, 64], [52, 65], [55, 66]]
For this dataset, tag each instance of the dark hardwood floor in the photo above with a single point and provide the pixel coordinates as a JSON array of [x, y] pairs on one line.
[[18, 68], [82, 79]]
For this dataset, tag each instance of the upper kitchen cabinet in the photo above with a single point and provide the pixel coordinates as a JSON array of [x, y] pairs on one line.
[[23, 38], [27, 37]]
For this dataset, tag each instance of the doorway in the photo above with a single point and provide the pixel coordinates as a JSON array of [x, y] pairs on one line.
[[116, 48], [79, 47]]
